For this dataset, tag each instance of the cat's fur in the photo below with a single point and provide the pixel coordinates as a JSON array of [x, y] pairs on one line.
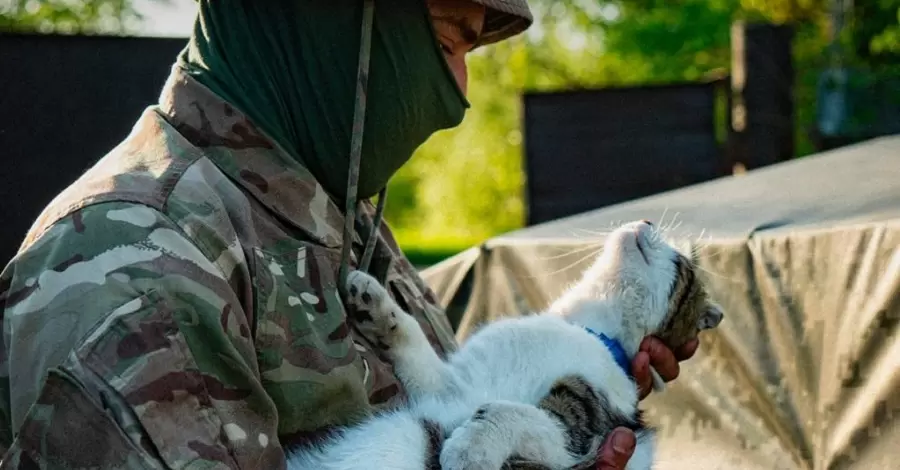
[[539, 390]]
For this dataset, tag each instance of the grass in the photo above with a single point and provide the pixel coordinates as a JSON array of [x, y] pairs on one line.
[[424, 251]]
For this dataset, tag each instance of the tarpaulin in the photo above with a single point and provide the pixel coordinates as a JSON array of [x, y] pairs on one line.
[[804, 257]]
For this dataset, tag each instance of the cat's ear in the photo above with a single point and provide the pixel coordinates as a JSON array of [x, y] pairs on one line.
[[711, 317]]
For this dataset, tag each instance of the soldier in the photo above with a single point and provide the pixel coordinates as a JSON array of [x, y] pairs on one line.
[[178, 305]]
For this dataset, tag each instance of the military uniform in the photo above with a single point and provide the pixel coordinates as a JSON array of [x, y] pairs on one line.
[[178, 306], [182, 295]]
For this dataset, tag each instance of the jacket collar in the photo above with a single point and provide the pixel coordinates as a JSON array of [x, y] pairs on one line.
[[250, 158]]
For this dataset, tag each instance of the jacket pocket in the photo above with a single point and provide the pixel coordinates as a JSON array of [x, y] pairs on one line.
[[65, 409], [140, 365]]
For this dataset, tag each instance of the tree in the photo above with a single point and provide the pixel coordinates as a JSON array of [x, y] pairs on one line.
[[876, 24], [69, 17]]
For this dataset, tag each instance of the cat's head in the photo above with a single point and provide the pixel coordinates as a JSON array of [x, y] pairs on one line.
[[656, 285]]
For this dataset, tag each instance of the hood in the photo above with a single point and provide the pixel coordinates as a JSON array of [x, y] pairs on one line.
[[292, 68]]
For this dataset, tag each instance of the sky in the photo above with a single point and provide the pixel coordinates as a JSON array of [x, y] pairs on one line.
[[167, 18]]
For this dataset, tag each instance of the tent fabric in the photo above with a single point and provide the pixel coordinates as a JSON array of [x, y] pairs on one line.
[[804, 372]]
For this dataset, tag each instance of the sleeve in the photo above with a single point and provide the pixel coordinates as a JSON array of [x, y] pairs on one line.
[[125, 345]]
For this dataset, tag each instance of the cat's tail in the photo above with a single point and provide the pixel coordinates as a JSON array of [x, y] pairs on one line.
[[396, 440]]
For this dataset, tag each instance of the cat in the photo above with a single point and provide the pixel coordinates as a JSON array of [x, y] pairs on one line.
[[540, 391]]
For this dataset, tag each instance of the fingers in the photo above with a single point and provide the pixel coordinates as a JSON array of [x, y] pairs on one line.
[[653, 351], [640, 369], [661, 358], [616, 450], [687, 350]]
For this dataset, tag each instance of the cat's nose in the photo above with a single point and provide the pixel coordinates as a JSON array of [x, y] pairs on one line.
[[717, 318], [712, 318]]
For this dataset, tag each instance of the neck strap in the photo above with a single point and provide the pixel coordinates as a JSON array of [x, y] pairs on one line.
[[359, 117]]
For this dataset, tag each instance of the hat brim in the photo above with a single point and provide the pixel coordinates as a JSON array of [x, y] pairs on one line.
[[504, 19]]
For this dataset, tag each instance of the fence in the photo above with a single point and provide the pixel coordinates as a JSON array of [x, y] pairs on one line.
[[65, 102], [592, 148], [588, 149]]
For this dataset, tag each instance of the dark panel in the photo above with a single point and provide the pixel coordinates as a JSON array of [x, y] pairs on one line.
[[593, 148], [763, 97], [66, 101]]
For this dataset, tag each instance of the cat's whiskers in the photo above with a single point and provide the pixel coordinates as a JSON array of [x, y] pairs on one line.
[[667, 226], [697, 244], [570, 265], [571, 251], [674, 226], [718, 275], [592, 233], [706, 254], [591, 245], [656, 235]]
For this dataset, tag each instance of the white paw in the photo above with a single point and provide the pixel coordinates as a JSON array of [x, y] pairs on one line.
[[501, 430], [374, 310], [364, 290], [484, 442], [467, 448]]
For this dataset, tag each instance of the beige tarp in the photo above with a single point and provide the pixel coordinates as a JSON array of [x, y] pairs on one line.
[[805, 370]]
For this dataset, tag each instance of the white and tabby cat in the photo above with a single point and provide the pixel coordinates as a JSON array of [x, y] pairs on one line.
[[540, 391]]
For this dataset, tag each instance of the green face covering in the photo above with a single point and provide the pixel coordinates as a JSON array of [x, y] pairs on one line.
[[291, 67]]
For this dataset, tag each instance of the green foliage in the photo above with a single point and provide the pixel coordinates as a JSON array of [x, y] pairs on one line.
[[876, 24], [68, 16], [888, 41], [429, 250]]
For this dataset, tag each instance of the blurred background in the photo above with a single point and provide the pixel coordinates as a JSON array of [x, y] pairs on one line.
[[641, 95]]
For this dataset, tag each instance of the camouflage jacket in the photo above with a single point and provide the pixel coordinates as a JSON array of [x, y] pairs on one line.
[[177, 306]]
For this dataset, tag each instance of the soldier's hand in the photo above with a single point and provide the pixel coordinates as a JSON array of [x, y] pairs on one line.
[[619, 446], [652, 351], [616, 450]]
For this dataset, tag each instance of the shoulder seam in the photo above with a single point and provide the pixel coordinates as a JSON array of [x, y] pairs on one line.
[[163, 215], [201, 247], [159, 203]]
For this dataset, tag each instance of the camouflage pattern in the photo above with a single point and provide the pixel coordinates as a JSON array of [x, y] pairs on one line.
[[177, 306]]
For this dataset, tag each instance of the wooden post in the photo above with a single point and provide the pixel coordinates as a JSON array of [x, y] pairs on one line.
[[762, 102]]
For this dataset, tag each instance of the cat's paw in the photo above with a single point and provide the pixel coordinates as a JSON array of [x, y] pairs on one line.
[[501, 430], [469, 448], [484, 441], [364, 291], [375, 312]]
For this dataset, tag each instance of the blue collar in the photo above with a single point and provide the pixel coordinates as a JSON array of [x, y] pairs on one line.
[[615, 348]]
